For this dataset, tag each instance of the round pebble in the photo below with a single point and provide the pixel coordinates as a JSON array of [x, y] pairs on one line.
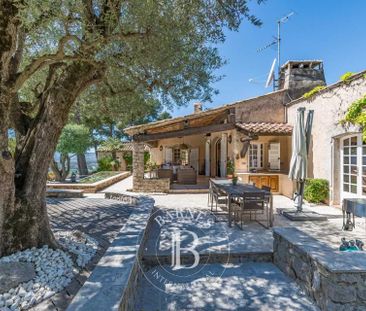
[[54, 269]]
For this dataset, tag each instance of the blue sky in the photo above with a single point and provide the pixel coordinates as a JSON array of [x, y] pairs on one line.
[[330, 30]]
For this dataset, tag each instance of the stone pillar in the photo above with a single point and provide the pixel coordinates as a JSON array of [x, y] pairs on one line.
[[138, 165]]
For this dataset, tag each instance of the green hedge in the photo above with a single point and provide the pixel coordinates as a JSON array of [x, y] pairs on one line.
[[107, 164], [316, 190]]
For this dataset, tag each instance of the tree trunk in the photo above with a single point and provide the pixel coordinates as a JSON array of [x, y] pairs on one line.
[[65, 163], [26, 222], [55, 169], [8, 43], [61, 173], [82, 165]]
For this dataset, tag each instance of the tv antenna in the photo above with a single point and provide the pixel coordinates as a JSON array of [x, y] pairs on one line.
[[277, 41], [279, 23], [271, 75]]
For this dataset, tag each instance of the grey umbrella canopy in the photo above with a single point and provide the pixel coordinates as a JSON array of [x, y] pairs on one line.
[[300, 146], [298, 164]]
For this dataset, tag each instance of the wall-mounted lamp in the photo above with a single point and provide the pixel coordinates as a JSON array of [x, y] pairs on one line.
[[161, 148]]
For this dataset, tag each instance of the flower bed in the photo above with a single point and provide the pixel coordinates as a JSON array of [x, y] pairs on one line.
[[91, 187], [99, 176]]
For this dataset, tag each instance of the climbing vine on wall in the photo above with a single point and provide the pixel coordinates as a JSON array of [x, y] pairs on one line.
[[356, 115], [314, 91]]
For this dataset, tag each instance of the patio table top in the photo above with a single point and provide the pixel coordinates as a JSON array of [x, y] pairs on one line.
[[235, 190]]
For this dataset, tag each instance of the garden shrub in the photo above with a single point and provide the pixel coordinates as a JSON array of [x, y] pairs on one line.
[[316, 190], [107, 164], [128, 159]]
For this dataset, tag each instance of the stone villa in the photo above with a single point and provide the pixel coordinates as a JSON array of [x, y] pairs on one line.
[[255, 135]]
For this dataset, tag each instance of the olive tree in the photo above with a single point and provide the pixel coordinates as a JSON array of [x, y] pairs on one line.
[[161, 50]]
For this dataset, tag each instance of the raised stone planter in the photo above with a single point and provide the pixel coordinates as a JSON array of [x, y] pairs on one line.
[[112, 284], [334, 280], [90, 188]]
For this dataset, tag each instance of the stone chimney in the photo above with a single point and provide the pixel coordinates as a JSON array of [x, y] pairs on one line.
[[197, 107], [299, 77]]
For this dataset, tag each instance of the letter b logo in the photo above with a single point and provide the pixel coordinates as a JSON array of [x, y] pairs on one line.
[[177, 249]]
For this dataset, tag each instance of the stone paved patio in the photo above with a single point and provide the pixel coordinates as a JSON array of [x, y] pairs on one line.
[[329, 231], [246, 285], [250, 286]]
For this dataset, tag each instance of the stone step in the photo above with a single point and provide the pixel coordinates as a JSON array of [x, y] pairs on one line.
[[212, 258]]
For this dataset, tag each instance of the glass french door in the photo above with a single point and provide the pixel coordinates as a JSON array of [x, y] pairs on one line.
[[353, 168]]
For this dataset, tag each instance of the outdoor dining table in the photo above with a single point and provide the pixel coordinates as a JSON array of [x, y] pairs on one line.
[[232, 191]]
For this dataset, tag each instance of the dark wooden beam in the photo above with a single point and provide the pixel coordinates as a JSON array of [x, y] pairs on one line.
[[185, 132], [152, 144]]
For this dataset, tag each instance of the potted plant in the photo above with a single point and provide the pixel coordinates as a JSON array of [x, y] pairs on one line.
[[235, 180], [151, 167], [230, 168]]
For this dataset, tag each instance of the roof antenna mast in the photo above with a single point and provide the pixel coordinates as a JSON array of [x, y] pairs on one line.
[[276, 41], [279, 22]]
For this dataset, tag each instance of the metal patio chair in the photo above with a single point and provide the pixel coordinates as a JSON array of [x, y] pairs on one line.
[[251, 203], [216, 196]]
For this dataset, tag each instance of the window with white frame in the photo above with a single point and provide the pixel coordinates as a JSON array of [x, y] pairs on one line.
[[180, 156], [255, 156]]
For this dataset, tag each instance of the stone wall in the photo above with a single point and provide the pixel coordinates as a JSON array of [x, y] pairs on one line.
[[140, 184], [334, 280], [152, 185], [125, 198], [329, 108], [265, 108]]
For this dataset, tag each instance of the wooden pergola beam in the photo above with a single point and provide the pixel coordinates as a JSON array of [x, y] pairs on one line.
[[184, 132]]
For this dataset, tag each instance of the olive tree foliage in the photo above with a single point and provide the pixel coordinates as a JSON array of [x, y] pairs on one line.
[[75, 139], [108, 111], [51, 51]]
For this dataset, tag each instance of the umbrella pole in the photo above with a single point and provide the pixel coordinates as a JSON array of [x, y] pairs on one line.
[[300, 195]]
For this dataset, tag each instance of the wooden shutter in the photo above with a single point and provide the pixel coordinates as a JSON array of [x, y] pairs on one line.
[[168, 155], [274, 153], [193, 159]]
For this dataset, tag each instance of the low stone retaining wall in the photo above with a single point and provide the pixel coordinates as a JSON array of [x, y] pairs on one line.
[[334, 280], [125, 198], [63, 194], [91, 188], [112, 284], [151, 185], [235, 258]]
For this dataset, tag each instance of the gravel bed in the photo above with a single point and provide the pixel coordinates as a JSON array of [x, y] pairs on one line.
[[54, 269]]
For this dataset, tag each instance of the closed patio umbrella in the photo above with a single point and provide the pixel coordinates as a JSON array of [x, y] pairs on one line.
[[300, 145]]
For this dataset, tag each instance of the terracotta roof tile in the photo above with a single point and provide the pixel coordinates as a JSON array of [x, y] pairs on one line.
[[265, 128], [125, 146]]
